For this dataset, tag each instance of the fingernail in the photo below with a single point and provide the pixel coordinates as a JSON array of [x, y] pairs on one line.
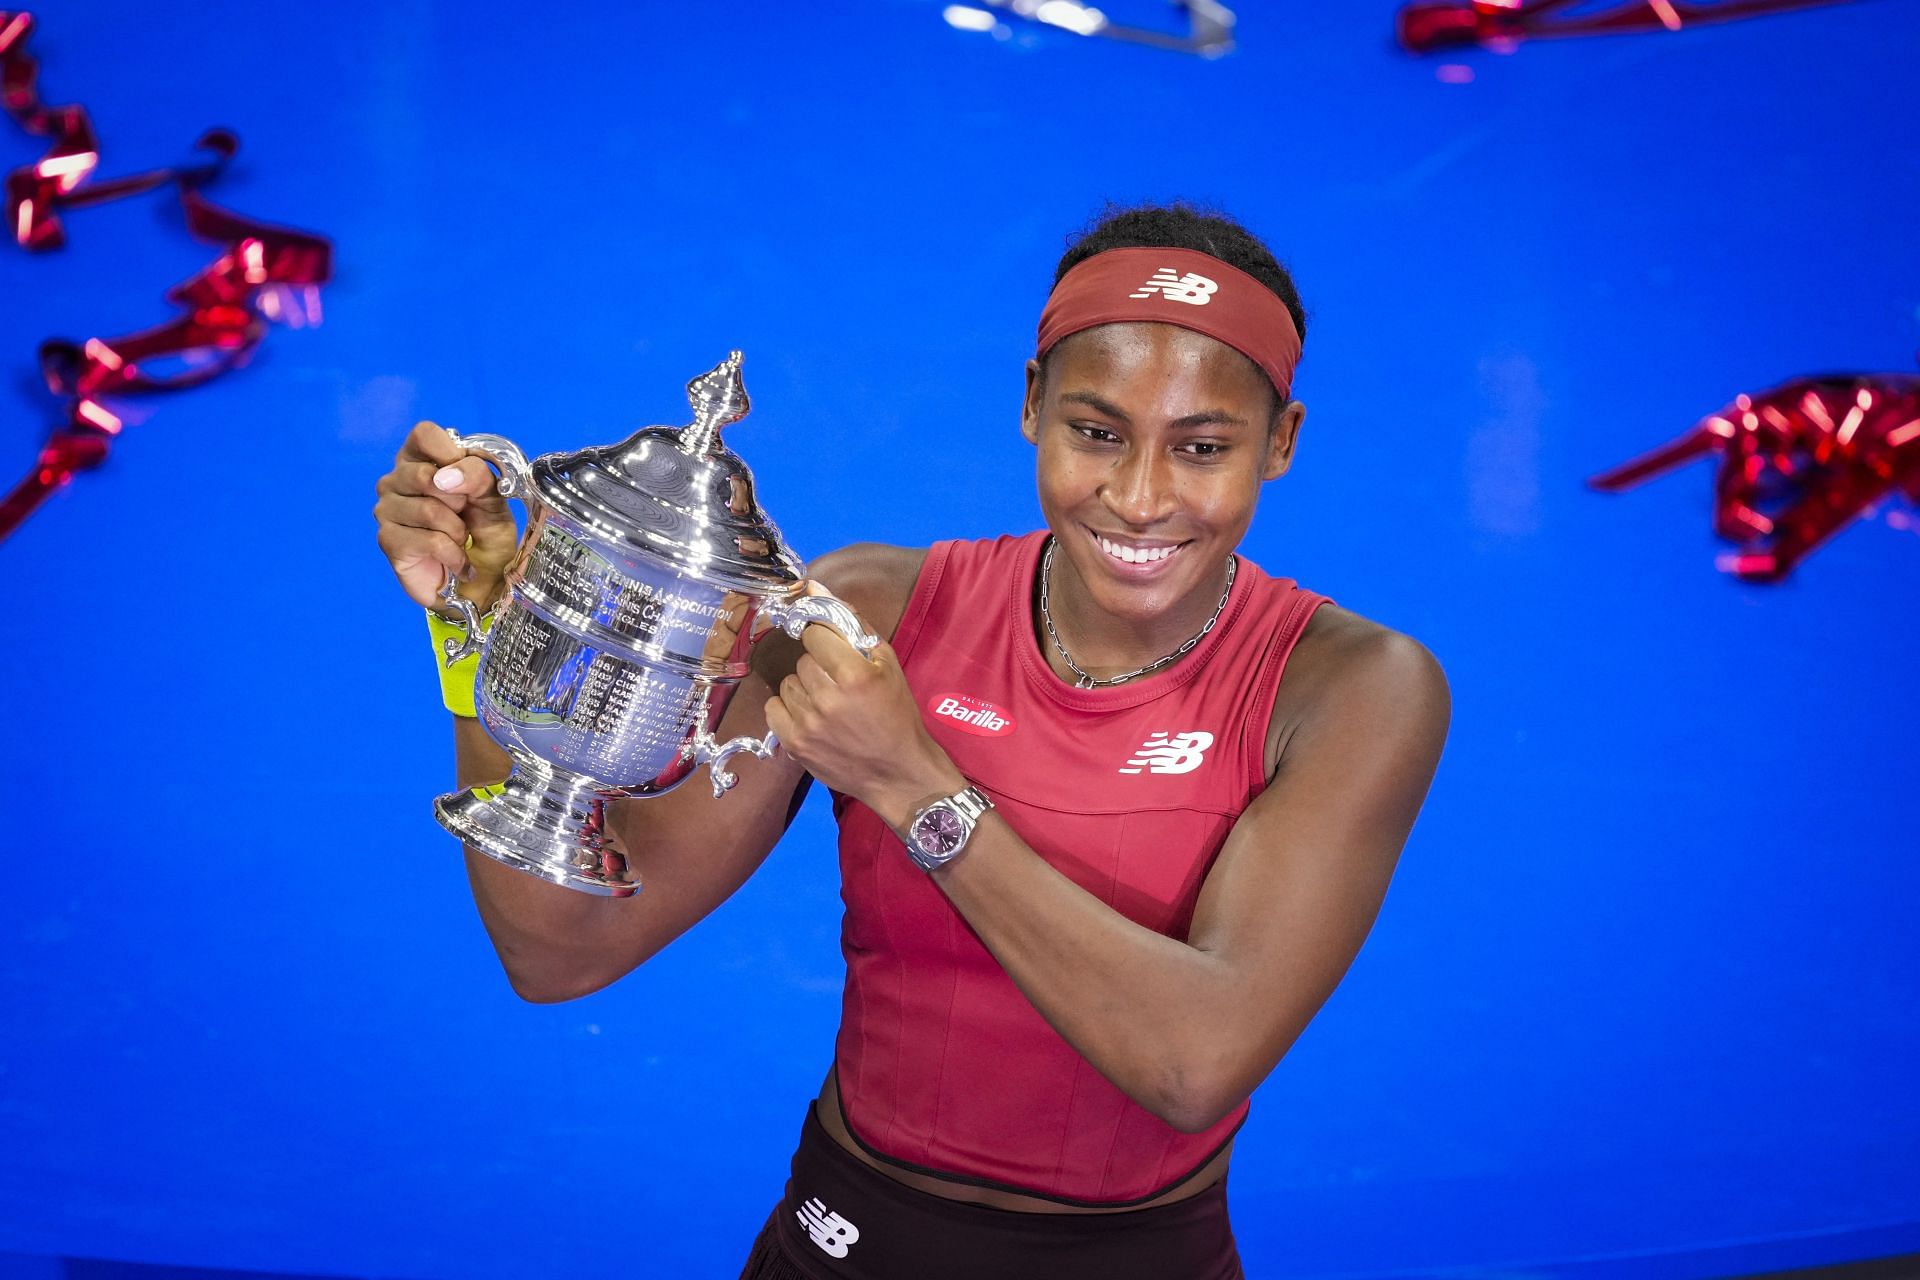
[[447, 478]]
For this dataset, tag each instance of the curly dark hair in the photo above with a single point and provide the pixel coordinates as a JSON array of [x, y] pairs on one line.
[[1184, 226]]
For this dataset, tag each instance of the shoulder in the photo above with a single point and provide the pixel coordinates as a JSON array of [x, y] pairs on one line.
[[873, 577], [1349, 667], [1341, 646]]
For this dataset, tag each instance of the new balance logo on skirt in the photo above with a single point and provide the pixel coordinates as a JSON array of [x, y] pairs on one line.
[[1170, 753], [830, 1231]]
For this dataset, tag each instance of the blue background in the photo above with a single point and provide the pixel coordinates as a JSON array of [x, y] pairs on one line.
[[1641, 1001]]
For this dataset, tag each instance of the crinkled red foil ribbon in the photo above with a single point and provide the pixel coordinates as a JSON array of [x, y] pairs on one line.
[[1431, 25], [266, 273], [1816, 453]]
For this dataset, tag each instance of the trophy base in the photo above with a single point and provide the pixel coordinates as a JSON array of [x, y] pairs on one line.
[[548, 823]]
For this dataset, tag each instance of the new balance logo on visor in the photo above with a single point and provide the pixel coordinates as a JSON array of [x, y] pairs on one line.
[[1175, 287], [971, 715], [1170, 753], [830, 1231]]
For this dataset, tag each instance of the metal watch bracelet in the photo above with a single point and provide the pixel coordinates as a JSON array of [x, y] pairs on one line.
[[940, 829]]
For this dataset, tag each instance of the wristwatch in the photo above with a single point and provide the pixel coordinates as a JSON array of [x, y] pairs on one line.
[[940, 830]]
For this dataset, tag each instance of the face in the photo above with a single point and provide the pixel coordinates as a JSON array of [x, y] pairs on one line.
[[1153, 444]]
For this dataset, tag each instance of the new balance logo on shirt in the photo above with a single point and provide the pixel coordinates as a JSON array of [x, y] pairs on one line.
[[1170, 753], [1174, 287], [830, 1231]]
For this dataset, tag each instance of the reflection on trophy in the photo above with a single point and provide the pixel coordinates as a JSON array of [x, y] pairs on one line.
[[645, 571]]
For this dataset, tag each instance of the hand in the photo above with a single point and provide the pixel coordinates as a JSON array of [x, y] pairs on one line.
[[437, 499], [852, 723]]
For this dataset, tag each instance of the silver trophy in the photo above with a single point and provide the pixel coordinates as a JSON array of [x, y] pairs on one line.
[[646, 570]]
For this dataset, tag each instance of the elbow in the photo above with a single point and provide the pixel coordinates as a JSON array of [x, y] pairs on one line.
[[541, 990], [1197, 1113], [1195, 1101], [553, 984], [1198, 1089]]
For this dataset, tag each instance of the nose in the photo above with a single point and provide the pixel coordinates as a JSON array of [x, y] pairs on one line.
[[1139, 490]]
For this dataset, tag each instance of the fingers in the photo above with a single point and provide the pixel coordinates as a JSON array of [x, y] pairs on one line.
[[421, 559], [793, 692], [423, 537], [418, 479], [784, 710], [421, 513], [831, 650], [430, 462], [466, 477], [779, 721], [430, 442], [812, 676], [440, 511]]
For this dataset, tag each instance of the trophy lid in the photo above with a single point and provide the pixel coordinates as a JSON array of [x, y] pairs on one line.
[[678, 494]]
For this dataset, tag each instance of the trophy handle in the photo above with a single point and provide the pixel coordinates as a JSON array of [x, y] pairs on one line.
[[516, 481], [469, 622], [795, 613], [792, 614], [516, 474], [706, 749]]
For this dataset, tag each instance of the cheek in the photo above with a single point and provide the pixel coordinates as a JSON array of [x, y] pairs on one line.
[[1222, 501], [1064, 475]]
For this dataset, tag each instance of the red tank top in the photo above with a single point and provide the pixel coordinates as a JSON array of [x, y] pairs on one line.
[[943, 1065]]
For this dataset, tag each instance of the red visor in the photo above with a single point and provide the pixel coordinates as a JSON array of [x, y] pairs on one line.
[[1177, 286]]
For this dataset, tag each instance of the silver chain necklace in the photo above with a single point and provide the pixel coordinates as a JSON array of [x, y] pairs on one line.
[[1086, 681]]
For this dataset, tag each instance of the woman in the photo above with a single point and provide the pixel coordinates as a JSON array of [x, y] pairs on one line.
[[1102, 862]]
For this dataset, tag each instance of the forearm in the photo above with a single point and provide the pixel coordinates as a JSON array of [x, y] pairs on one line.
[[1155, 1016], [478, 760], [1164, 1021], [547, 937]]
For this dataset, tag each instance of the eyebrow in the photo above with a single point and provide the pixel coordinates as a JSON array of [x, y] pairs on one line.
[[1205, 418]]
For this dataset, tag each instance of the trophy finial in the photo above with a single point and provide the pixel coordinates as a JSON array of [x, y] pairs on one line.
[[718, 397]]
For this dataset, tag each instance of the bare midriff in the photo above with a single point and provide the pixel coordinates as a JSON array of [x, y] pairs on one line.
[[828, 1109]]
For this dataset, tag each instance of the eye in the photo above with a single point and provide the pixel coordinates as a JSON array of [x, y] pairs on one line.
[[1093, 432], [1204, 448]]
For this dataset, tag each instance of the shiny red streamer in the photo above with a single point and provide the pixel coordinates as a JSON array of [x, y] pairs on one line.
[[1798, 463], [1428, 26], [265, 273]]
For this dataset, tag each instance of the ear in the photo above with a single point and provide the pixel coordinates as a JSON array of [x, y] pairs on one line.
[[1280, 441], [1030, 406]]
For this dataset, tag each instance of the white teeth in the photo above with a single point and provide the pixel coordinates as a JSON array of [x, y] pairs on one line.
[[1134, 555]]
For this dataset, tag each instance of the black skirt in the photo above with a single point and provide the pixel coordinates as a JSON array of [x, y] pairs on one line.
[[844, 1220]]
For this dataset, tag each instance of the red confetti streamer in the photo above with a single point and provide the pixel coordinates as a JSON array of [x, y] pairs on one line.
[[1431, 25], [266, 273], [1798, 463], [35, 191]]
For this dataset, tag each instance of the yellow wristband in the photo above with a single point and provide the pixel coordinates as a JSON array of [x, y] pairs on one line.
[[457, 680]]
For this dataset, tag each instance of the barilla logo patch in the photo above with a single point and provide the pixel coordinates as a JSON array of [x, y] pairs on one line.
[[971, 715]]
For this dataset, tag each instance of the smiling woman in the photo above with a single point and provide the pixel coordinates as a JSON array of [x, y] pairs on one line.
[[1117, 808]]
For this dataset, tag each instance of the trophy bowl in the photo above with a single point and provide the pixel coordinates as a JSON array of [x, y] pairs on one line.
[[646, 570]]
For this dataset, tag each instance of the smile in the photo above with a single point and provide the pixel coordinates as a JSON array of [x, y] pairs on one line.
[[1136, 553]]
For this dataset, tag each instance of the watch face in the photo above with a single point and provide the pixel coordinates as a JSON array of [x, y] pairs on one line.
[[938, 831]]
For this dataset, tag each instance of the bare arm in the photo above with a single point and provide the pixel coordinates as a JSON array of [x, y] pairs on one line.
[[1186, 1029], [690, 850]]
